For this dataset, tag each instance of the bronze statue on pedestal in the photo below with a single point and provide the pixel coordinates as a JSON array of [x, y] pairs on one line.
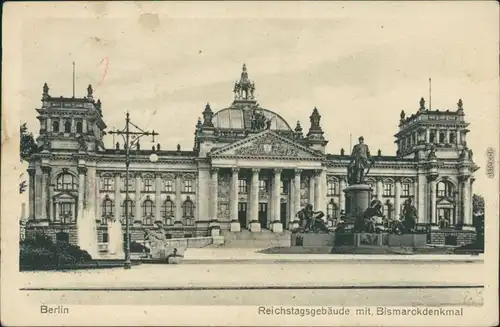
[[360, 160]]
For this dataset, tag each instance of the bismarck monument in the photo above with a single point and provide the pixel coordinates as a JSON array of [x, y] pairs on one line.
[[358, 193]]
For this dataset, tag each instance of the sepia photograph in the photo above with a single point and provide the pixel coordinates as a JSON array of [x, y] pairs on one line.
[[250, 163]]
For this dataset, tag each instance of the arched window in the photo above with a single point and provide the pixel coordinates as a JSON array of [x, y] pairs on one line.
[[432, 137], [79, 127], [67, 127], [168, 211], [148, 208], [67, 182], [441, 137], [55, 127], [332, 210], [130, 208], [107, 208], [444, 189], [188, 212]]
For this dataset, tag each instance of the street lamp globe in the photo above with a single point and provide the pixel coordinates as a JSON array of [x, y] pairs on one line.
[[153, 157]]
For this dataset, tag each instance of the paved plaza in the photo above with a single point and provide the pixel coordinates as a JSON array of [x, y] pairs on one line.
[[341, 282]]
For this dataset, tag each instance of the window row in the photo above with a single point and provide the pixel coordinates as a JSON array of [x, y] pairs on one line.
[[148, 185], [264, 185], [56, 128], [148, 208], [389, 189]]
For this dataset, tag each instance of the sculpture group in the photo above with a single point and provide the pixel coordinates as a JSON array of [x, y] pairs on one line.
[[366, 222]]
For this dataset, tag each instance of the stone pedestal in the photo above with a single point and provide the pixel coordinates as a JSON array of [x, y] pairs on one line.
[[255, 227], [235, 226], [218, 240], [358, 197], [277, 227], [214, 231]]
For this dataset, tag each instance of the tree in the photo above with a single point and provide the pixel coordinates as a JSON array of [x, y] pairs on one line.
[[28, 145], [477, 204], [27, 148]]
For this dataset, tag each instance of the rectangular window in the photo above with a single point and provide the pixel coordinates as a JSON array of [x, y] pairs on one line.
[[107, 184], [388, 190], [169, 186], [131, 183], [262, 186], [66, 212], [148, 185], [188, 186], [332, 188], [242, 186], [406, 190], [284, 187]]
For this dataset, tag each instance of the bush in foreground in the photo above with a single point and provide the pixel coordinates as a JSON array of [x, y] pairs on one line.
[[39, 251]]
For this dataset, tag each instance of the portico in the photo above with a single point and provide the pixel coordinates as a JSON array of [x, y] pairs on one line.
[[263, 181]]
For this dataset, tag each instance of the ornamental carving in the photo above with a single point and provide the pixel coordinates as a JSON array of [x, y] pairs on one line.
[[189, 176], [268, 146], [223, 210], [224, 187]]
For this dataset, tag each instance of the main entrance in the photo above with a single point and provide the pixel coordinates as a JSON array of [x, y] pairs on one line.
[[242, 214], [263, 215], [283, 214]]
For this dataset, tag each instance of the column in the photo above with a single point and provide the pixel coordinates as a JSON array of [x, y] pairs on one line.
[[45, 193], [432, 195], [254, 196], [276, 199], [380, 189], [420, 198], [312, 187], [137, 214], [322, 183], [97, 195], [81, 193], [317, 191], [459, 137], [73, 127], [233, 208], [470, 221], [447, 140], [397, 198], [214, 193], [158, 203], [291, 203], [466, 200], [31, 194], [117, 196], [342, 181], [296, 194], [178, 198], [427, 135], [84, 126]]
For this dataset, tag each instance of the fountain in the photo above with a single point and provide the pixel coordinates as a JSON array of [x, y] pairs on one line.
[[115, 241]]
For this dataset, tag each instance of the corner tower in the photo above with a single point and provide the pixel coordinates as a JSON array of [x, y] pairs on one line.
[[70, 124], [443, 130]]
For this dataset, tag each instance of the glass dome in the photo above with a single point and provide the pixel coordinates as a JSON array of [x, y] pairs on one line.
[[239, 118]]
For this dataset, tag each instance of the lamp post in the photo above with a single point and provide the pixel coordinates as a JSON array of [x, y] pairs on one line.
[[136, 135]]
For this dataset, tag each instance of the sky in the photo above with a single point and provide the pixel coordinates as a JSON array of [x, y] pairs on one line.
[[359, 63]]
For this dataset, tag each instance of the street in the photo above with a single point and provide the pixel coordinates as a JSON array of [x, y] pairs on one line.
[[321, 283]]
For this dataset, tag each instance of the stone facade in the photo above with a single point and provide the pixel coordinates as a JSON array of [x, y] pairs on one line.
[[247, 168]]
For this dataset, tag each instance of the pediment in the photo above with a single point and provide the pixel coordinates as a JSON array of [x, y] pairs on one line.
[[445, 202], [267, 144]]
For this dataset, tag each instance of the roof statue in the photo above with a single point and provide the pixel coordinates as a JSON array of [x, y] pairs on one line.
[[422, 104], [244, 89]]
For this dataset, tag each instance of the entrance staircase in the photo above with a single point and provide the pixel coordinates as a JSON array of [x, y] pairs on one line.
[[263, 239]]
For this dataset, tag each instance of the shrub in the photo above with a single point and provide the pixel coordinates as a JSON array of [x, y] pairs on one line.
[[136, 247], [39, 250]]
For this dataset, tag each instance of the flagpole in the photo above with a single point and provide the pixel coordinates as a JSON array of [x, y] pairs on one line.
[[73, 79], [430, 94]]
